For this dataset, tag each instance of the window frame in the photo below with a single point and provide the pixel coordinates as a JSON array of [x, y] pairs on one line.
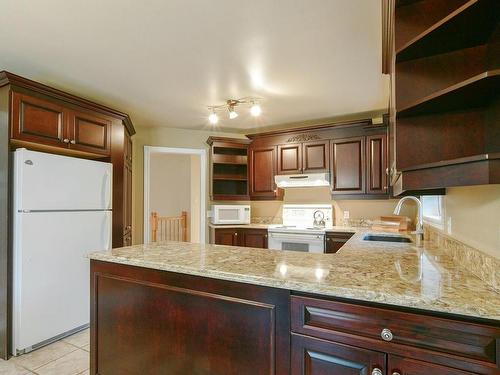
[[435, 220]]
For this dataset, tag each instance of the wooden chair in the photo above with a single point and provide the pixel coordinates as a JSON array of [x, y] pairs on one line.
[[168, 228]]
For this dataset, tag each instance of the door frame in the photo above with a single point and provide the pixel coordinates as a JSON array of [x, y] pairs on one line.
[[202, 153]]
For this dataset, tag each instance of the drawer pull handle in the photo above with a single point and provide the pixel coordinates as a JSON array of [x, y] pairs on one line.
[[66, 140], [377, 371], [386, 334]]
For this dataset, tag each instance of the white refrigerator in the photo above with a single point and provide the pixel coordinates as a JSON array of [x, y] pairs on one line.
[[62, 211]]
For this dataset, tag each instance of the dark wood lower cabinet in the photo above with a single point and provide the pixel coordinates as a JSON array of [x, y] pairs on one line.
[[255, 238], [407, 366], [153, 322], [228, 237], [312, 356], [146, 321], [335, 240], [241, 237]]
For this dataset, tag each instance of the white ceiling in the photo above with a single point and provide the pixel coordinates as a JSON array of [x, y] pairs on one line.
[[164, 61]]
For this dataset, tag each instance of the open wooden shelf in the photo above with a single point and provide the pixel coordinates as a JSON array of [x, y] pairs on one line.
[[229, 159], [228, 168], [230, 177], [470, 93], [469, 25]]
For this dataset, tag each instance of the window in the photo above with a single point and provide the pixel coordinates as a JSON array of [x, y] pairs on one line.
[[433, 210]]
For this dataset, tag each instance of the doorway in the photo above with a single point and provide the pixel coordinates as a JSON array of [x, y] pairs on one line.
[[174, 188]]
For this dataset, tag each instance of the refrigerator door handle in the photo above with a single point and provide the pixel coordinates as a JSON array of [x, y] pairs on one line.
[[106, 191], [106, 232]]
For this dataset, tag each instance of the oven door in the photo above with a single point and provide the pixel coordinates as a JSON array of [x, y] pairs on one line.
[[307, 243]]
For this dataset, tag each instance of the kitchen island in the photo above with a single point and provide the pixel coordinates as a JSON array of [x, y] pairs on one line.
[[372, 308]]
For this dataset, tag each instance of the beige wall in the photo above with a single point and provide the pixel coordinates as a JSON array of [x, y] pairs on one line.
[[472, 216], [167, 137]]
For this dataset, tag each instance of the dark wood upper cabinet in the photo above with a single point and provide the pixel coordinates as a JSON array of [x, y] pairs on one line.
[[348, 165], [312, 356], [38, 121], [315, 156], [290, 159], [90, 132], [262, 169], [376, 164]]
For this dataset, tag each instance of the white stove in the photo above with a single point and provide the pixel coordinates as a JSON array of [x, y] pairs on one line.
[[303, 228]]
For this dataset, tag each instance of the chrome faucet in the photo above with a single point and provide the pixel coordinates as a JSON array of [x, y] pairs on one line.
[[420, 221]]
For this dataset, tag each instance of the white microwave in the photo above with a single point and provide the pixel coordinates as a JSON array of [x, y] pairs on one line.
[[230, 214]]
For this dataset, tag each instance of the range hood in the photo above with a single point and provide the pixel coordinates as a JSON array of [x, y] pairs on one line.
[[302, 180]]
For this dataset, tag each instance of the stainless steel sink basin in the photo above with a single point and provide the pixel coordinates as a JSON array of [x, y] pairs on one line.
[[375, 237]]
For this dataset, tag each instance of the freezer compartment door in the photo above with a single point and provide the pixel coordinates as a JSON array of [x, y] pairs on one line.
[[51, 272], [53, 182]]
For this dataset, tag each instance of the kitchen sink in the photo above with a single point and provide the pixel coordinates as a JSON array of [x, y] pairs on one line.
[[375, 237]]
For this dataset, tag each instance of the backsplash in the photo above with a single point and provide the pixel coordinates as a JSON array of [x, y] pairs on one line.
[[480, 264], [266, 220]]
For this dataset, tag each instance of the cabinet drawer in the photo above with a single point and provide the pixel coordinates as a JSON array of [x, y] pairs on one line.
[[337, 321]]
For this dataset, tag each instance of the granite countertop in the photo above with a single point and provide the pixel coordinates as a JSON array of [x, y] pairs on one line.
[[390, 273], [248, 226], [267, 226]]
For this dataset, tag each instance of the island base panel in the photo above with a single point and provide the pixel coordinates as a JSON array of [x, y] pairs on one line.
[[157, 322]]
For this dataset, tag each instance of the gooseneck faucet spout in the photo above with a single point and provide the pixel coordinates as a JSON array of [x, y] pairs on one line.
[[420, 221]]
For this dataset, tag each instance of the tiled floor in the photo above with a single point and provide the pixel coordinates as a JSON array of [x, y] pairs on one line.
[[69, 356]]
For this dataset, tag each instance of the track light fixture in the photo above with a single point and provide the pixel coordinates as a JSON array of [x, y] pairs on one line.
[[255, 109], [213, 118]]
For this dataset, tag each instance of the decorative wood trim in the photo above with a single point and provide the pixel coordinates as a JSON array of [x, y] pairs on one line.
[[227, 140], [336, 125], [18, 81], [303, 138]]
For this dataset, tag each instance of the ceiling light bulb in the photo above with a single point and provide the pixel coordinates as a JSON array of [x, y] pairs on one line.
[[232, 113], [255, 110], [213, 118]]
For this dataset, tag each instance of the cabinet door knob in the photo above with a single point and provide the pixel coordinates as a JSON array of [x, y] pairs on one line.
[[73, 142], [396, 373], [377, 371], [66, 140], [386, 334], [235, 233]]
